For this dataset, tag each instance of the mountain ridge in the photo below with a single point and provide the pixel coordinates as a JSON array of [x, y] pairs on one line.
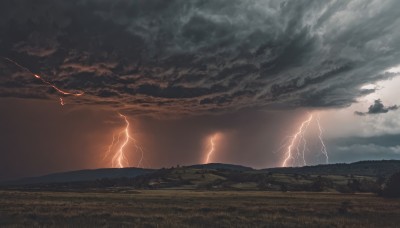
[[372, 168]]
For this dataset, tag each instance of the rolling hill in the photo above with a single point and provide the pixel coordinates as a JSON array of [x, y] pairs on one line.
[[80, 175], [364, 176], [382, 168]]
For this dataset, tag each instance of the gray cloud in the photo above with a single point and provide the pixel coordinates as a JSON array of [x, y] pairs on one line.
[[366, 151], [377, 108], [381, 140], [379, 147], [199, 57]]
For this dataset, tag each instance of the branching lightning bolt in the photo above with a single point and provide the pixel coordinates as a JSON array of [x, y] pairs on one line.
[[303, 139], [297, 146], [298, 136], [119, 159], [323, 147], [63, 92], [211, 149]]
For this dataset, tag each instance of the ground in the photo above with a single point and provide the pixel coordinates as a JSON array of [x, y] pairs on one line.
[[183, 208]]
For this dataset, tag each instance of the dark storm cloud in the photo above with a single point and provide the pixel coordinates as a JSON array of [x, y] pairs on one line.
[[377, 108], [200, 56]]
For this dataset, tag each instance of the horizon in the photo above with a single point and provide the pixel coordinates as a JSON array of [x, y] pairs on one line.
[[191, 165]]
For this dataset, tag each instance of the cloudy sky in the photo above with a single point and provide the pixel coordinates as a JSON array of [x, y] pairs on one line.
[[184, 70]]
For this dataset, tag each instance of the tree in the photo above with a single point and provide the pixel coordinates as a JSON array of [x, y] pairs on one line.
[[392, 186]]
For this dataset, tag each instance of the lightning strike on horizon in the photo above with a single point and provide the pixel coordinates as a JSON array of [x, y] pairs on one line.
[[297, 146], [323, 147], [211, 149], [303, 139], [63, 92], [119, 159], [299, 133]]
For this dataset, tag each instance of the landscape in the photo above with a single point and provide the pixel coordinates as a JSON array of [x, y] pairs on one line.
[[338, 195], [199, 113]]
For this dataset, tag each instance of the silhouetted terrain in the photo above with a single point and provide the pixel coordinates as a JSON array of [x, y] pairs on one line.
[[212, 195], [80, 175], [362, 168], [366, 176], [221, 166]]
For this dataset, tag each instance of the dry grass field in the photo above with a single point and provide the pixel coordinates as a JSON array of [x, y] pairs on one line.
[[180, 208]]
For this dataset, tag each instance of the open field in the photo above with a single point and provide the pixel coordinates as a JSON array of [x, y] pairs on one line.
[[171, 208]]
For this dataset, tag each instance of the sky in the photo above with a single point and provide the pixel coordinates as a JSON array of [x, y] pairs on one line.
[[250, 71]]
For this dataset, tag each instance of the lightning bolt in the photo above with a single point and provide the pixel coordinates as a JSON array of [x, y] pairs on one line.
[[299, 134], [62, 101], [63, 92], [323, 147], [211, 148], [303, 139], [119, 159], [297, 146]]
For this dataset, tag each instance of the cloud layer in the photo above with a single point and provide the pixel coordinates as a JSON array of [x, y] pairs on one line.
[[192, 57], [369, 148]]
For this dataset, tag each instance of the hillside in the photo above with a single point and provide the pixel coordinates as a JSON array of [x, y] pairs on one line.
[[382, 168], [365, 176], [80, 175], [221, 166]]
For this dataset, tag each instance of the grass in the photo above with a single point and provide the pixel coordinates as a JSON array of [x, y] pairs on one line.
[[179, 208]]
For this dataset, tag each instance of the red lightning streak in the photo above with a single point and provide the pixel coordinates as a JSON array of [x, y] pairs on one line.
[[63, 92], [211, 149], [119, 159], [57, 89], [62, 101], [299, 134], [323, 147]]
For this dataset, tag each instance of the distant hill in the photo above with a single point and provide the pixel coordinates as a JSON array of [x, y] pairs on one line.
[[221, 166], [364, 176], [361, 168], [81, 175]]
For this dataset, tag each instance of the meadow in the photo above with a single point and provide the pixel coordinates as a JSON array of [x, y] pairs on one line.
[[194, 208]]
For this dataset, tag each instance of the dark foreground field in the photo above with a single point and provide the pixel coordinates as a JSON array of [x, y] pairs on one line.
[[172, 208]]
